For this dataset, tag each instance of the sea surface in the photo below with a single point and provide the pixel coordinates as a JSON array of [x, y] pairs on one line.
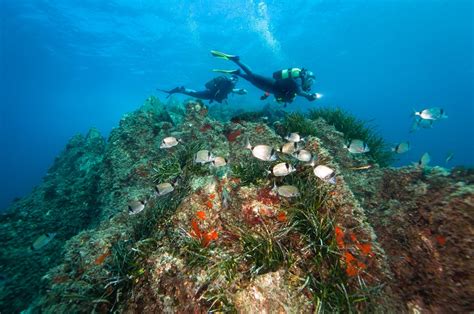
[[67, 66]]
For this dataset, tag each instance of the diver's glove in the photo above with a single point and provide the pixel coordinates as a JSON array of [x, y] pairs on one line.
[[265, 96]]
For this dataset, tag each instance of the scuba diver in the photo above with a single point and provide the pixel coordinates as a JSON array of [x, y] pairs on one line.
[[217, 89], [284, 84]]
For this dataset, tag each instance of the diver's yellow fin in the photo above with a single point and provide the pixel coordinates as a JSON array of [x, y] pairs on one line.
[[226, 71], [222, 55]]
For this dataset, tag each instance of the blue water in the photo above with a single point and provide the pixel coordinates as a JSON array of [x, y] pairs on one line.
[[69, 65]]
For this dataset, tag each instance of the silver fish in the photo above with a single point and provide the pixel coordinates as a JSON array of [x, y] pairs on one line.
[[421, 123], [289, 148], [219, 162], [169, 142], [226, 198], [42, 241], [239, 91], [449, 157], [203, 157], [325, 173], [263, 152], [424, 160], [282, 169], [357, 147], [294, 137], [164, 188], [303, 155], [435, 113], [401, 148], [134, 207], [287, 191]]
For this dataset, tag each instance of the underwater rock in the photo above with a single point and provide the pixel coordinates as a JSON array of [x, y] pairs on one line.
[[426, 235], [65, 203], [379, 240], [270, 294]]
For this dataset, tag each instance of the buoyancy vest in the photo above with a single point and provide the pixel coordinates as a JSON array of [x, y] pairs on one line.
[[287, 73]]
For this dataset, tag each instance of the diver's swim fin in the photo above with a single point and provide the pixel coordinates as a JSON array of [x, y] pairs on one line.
[[237, 71], [224, 56]]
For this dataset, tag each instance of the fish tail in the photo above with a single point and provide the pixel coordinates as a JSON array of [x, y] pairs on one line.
[[248, 146]]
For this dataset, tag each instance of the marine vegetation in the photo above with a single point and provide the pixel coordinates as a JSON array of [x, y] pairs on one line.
[[265, 250], [251, 172], [298, 122]]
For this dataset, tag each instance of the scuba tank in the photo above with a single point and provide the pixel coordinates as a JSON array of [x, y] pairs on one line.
[[288, 73], [220, 87], [217, 82]]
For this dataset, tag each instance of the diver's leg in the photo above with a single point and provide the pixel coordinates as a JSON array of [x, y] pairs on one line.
[[205, 94], [243, 66], [262, 82]]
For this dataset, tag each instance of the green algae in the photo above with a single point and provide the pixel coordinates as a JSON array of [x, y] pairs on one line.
[[166, 170], [265, 250], [194, 253], [297, 122], [252, 171], [218, 301]]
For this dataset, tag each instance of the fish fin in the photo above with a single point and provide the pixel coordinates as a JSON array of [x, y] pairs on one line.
[[274, 188], [248, 146]]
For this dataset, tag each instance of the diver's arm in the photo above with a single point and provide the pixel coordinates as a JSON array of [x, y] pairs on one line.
[[310, 97], [239, 91], [172, 91], [205, 94], [306, 95]]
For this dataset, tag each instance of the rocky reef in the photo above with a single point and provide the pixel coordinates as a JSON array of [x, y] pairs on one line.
[[380, 240]]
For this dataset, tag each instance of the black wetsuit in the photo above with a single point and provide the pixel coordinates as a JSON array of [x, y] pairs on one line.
[[217, 89], [284, 90]]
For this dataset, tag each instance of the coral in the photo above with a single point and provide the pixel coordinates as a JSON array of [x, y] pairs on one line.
[[206, 127], [232, 136]]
